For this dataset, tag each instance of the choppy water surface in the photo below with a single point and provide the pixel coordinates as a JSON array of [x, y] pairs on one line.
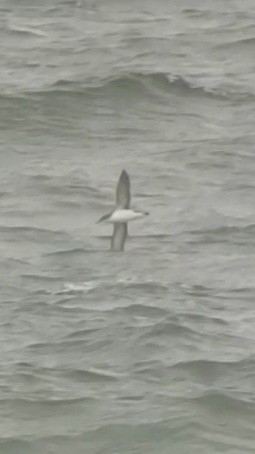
[[150, 351]]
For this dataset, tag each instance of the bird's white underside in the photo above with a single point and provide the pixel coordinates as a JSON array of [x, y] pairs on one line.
[[124, 216]]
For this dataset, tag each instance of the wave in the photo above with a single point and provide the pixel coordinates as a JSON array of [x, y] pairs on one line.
[[74, 288], [169, 327], [93, 375], [26, 31], [237, 44], [129, 283], [32, 233], [142, 310], [21, 402], [15, 444], [222, 401], [226, 233], [153, 84], [213, 367], [227, 229]]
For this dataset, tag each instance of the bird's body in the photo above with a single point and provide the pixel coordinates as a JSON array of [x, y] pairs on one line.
[[124, 216], [122, 213]]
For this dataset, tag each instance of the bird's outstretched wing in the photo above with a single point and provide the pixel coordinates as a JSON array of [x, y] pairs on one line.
[[123, 191], [119, 236]]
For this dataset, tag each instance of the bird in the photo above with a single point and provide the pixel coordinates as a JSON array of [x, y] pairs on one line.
[[122, 213]]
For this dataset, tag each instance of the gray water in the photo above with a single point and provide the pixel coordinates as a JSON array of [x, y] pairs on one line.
[[149, 351]]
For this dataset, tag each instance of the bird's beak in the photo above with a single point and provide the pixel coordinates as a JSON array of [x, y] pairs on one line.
[[105, 216]]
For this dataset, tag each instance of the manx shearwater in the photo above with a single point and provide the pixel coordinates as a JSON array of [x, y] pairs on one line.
[[122, 213]]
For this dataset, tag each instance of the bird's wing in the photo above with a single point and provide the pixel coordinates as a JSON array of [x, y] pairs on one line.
[[123, 191], [119, 236]]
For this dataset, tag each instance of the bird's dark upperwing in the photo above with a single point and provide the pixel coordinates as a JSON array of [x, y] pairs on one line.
[[119, 236], [123, 191]]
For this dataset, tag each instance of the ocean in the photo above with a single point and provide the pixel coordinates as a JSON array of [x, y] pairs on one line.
[[150, 351]]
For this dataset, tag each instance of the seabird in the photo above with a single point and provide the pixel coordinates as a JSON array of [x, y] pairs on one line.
[[122, 213]]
